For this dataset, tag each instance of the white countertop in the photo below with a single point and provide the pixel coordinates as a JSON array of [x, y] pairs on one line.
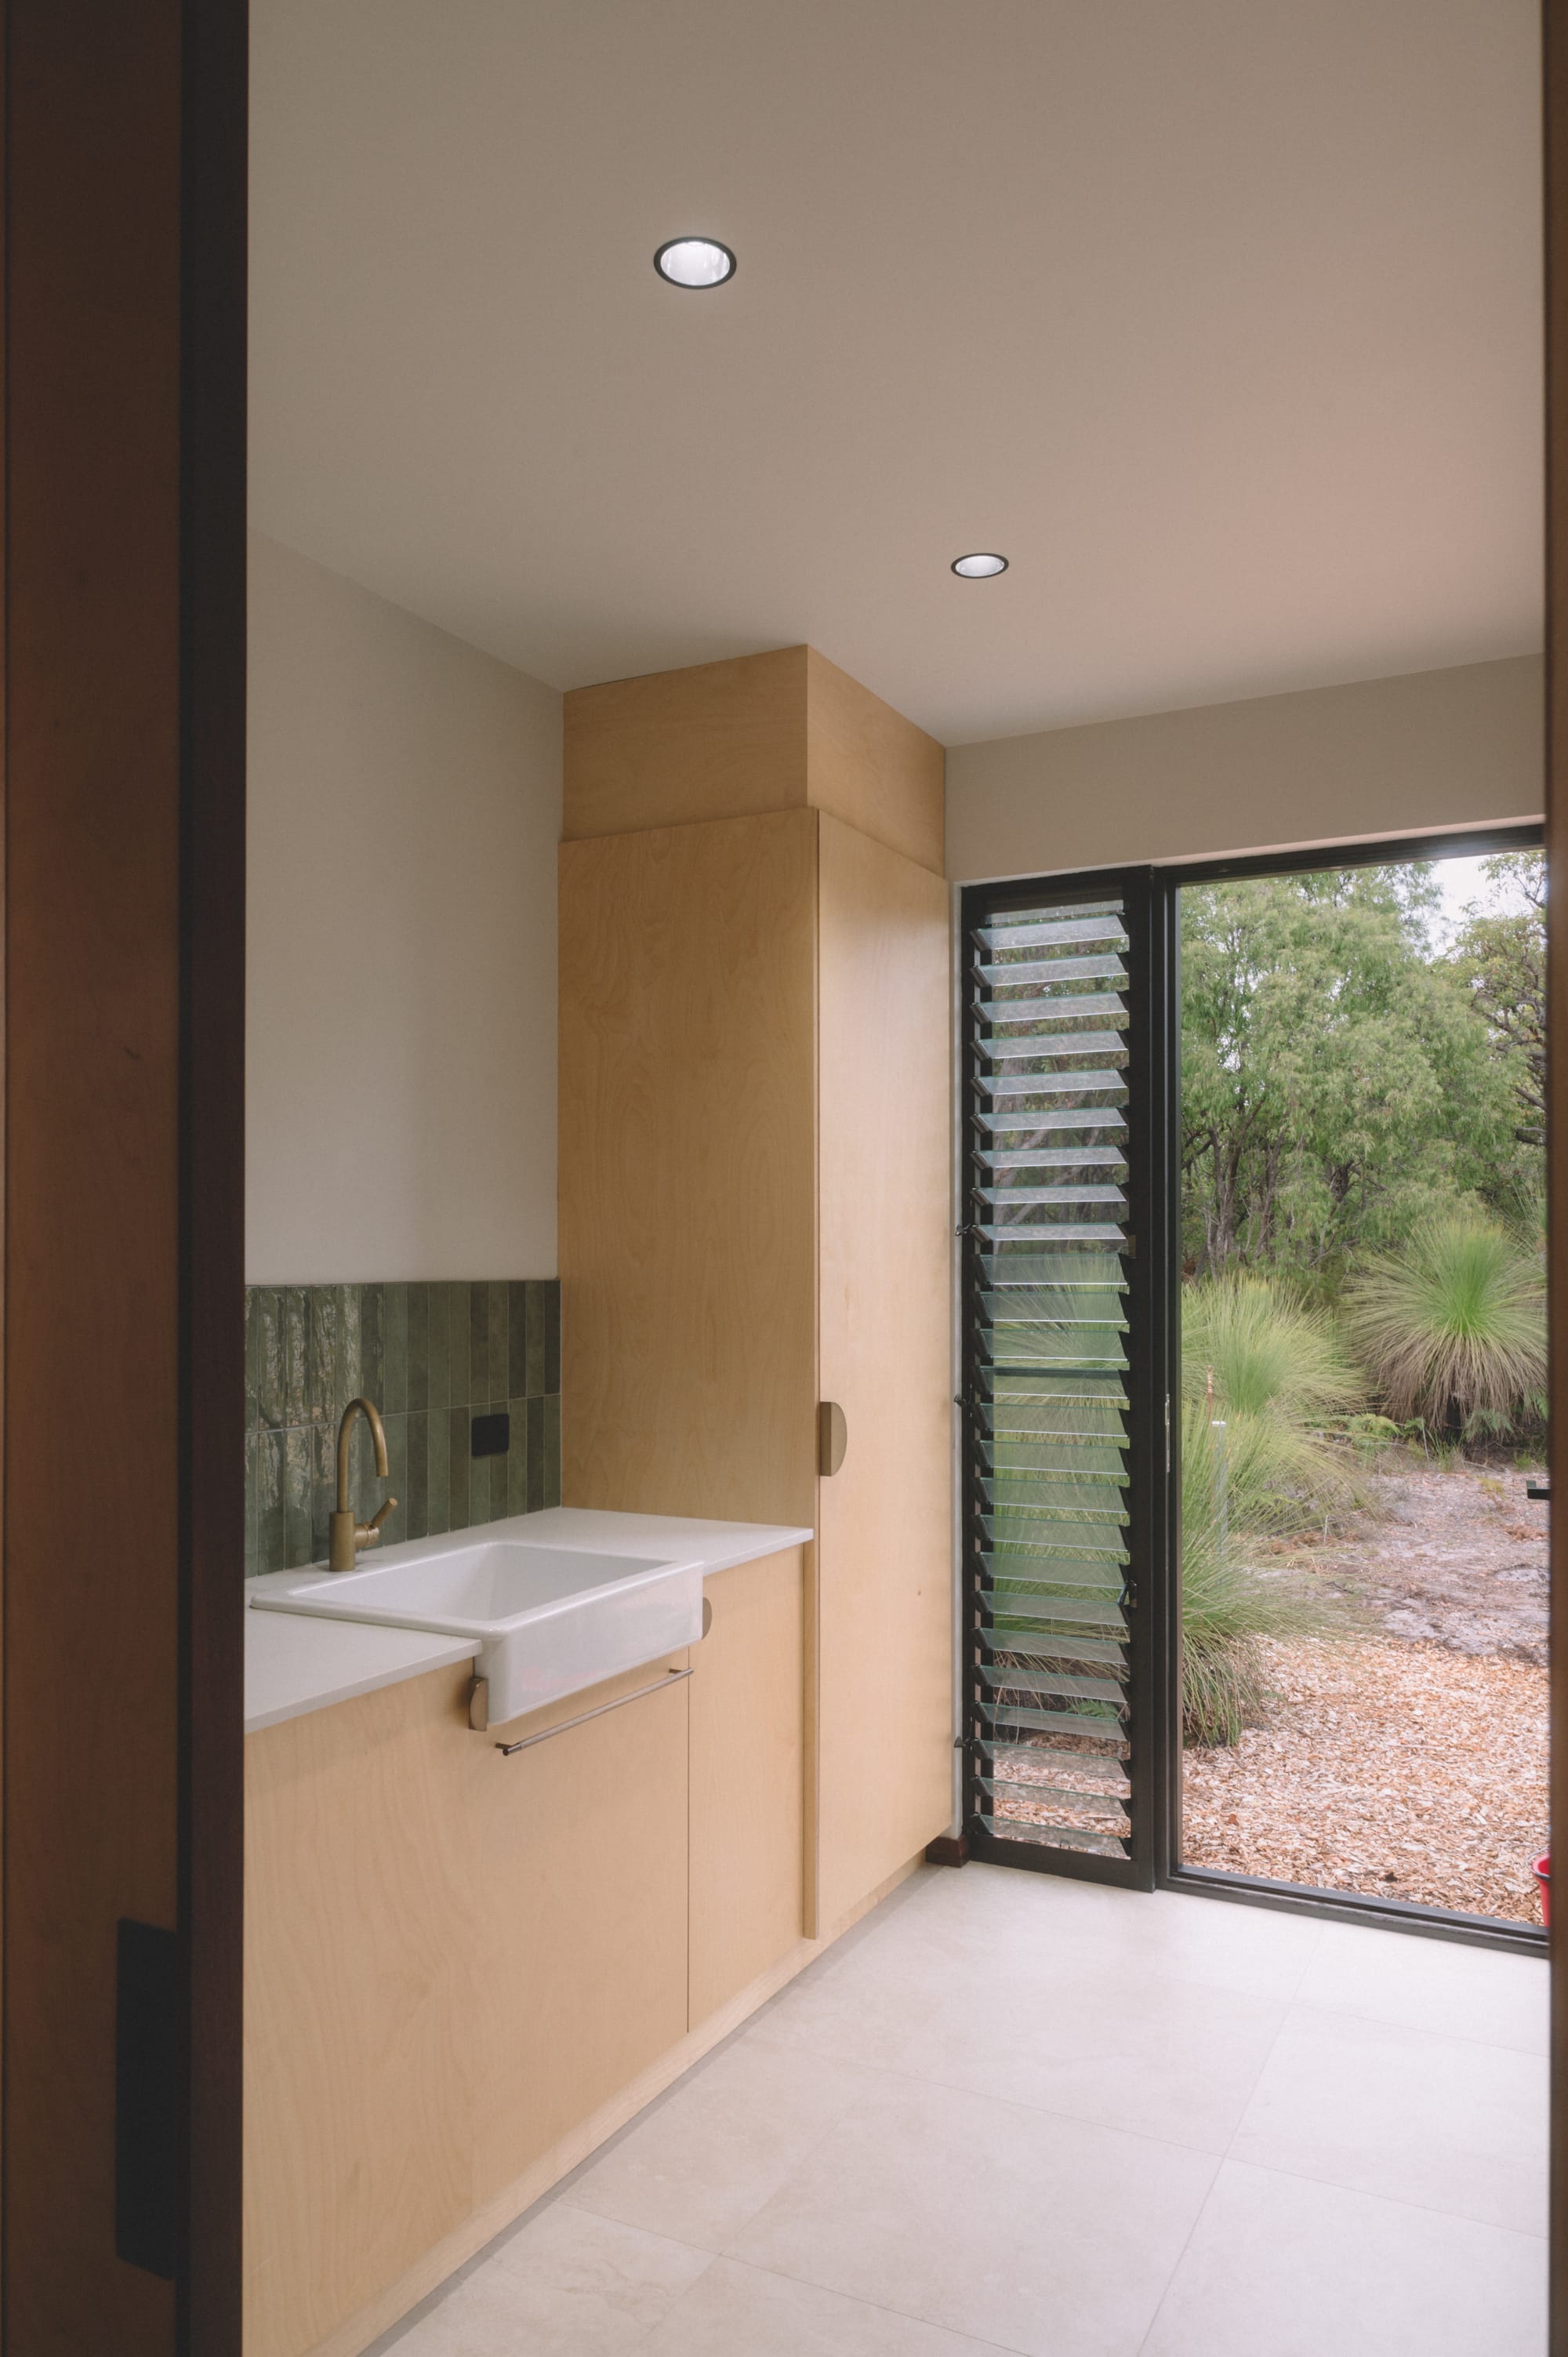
[[293, 1664]]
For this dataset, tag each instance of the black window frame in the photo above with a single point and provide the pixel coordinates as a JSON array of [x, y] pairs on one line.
[[1152, 896]]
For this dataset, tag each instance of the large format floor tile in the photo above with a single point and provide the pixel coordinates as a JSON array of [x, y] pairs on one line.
[[737, 2311], [1434, 1985], [1279, 2267], [1444, 2122], [1131, 2049], [705, 2160], [865, 2005], [993, 2118], [567, 2285], [1051, 2236], [983, 1912]]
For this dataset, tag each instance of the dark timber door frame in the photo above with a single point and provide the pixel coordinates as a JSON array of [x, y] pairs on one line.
[[1554, 25], [123, 133]]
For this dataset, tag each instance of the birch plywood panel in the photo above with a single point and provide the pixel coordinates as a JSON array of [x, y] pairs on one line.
[[715, 740], [870, 767], [884, 1522], [687, 1169], [360, 1965], [746, 1780]]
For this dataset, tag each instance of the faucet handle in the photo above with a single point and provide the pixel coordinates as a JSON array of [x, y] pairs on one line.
[[367, 1532]]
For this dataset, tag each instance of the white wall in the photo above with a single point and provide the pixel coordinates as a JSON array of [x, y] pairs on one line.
[[1429, 750], [404, 811]]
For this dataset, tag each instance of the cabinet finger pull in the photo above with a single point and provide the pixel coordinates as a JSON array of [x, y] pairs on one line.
[[526, 1742], [833, 1437]]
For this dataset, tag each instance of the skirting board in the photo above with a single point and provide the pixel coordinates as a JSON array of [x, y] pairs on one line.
[[356, 2332]]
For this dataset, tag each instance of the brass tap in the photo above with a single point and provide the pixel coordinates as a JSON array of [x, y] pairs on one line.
[[345, 1532]]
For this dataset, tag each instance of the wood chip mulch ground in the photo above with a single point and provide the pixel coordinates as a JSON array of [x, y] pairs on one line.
[[1409, 1757], [1389, 1766]]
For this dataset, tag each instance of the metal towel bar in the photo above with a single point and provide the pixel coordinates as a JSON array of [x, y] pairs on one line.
[[524, 1742]]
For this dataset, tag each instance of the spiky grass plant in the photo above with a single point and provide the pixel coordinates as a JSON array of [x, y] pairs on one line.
[[1229, 1504], [1453, 1328], [1276, 1370]]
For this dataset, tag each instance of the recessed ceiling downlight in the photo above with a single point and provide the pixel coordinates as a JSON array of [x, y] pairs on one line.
[[983, 565], [694, 262]]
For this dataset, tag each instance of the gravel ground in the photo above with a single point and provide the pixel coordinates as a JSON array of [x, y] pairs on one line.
[[1409, 1760]]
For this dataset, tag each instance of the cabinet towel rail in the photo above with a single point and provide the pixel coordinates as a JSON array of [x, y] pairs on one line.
[[525, 1742]]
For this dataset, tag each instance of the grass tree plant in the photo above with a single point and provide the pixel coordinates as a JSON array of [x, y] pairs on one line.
[[1453, 1327]]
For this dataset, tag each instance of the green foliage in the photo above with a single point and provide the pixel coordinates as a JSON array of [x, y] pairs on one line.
[[1336, 1085], [1499, 958], [1229, 1503], [1452, 1327], [1274, 1371]]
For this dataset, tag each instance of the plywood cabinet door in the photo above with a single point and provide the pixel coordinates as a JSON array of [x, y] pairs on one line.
[[360, 1915], [883, 1617], [746, 1809], [579, 1907]]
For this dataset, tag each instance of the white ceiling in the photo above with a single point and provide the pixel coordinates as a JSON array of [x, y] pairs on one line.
[[1220, 317]]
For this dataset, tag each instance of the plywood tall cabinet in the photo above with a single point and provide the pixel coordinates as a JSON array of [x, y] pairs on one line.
[[755, 1188]]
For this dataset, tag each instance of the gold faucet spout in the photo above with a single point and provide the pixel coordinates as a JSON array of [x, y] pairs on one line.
[[347, 1534]]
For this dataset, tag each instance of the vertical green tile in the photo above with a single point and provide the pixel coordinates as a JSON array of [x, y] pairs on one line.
[[394, 1347], [365, 1484], [323, 1488], [417, 1514], [439, 1469], [252, 1358], [457, 1469], [517, 1339], [253, 1445], [535, 1338], [350, 1353], [417, 1314], [395, 1527], [478, 1344], [294, 1356], [517, 1459], [298, 1480], [461, 1372], [271, 1531], [270, 1402], [439, 1391], [551, 1448], [321, 1337], [373, 1345], [552, 1291], [535, 1455], [496, 1356]]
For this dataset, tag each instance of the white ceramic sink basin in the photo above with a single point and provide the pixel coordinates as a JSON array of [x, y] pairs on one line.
[[545, 1621]]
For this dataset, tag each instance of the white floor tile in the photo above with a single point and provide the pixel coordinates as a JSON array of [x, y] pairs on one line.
[[1051, 2236], [1279, 2267], [739, 2312], [706, 2159], [1160, 2057], [568, 2284], [865, 2005], [1444, 2122], [982, 1910], [1433, 1984]]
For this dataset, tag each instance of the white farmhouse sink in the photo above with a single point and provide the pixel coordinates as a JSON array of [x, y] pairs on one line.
[[545, 1621]]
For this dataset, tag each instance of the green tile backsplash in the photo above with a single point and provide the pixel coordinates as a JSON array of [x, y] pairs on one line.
[[432, 1357]]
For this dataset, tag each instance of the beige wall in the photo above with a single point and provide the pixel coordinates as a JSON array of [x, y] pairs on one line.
[[404, 811], [1432, 750]]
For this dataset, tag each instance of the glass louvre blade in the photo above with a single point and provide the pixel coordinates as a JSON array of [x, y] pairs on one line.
[[1050, 1732]]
